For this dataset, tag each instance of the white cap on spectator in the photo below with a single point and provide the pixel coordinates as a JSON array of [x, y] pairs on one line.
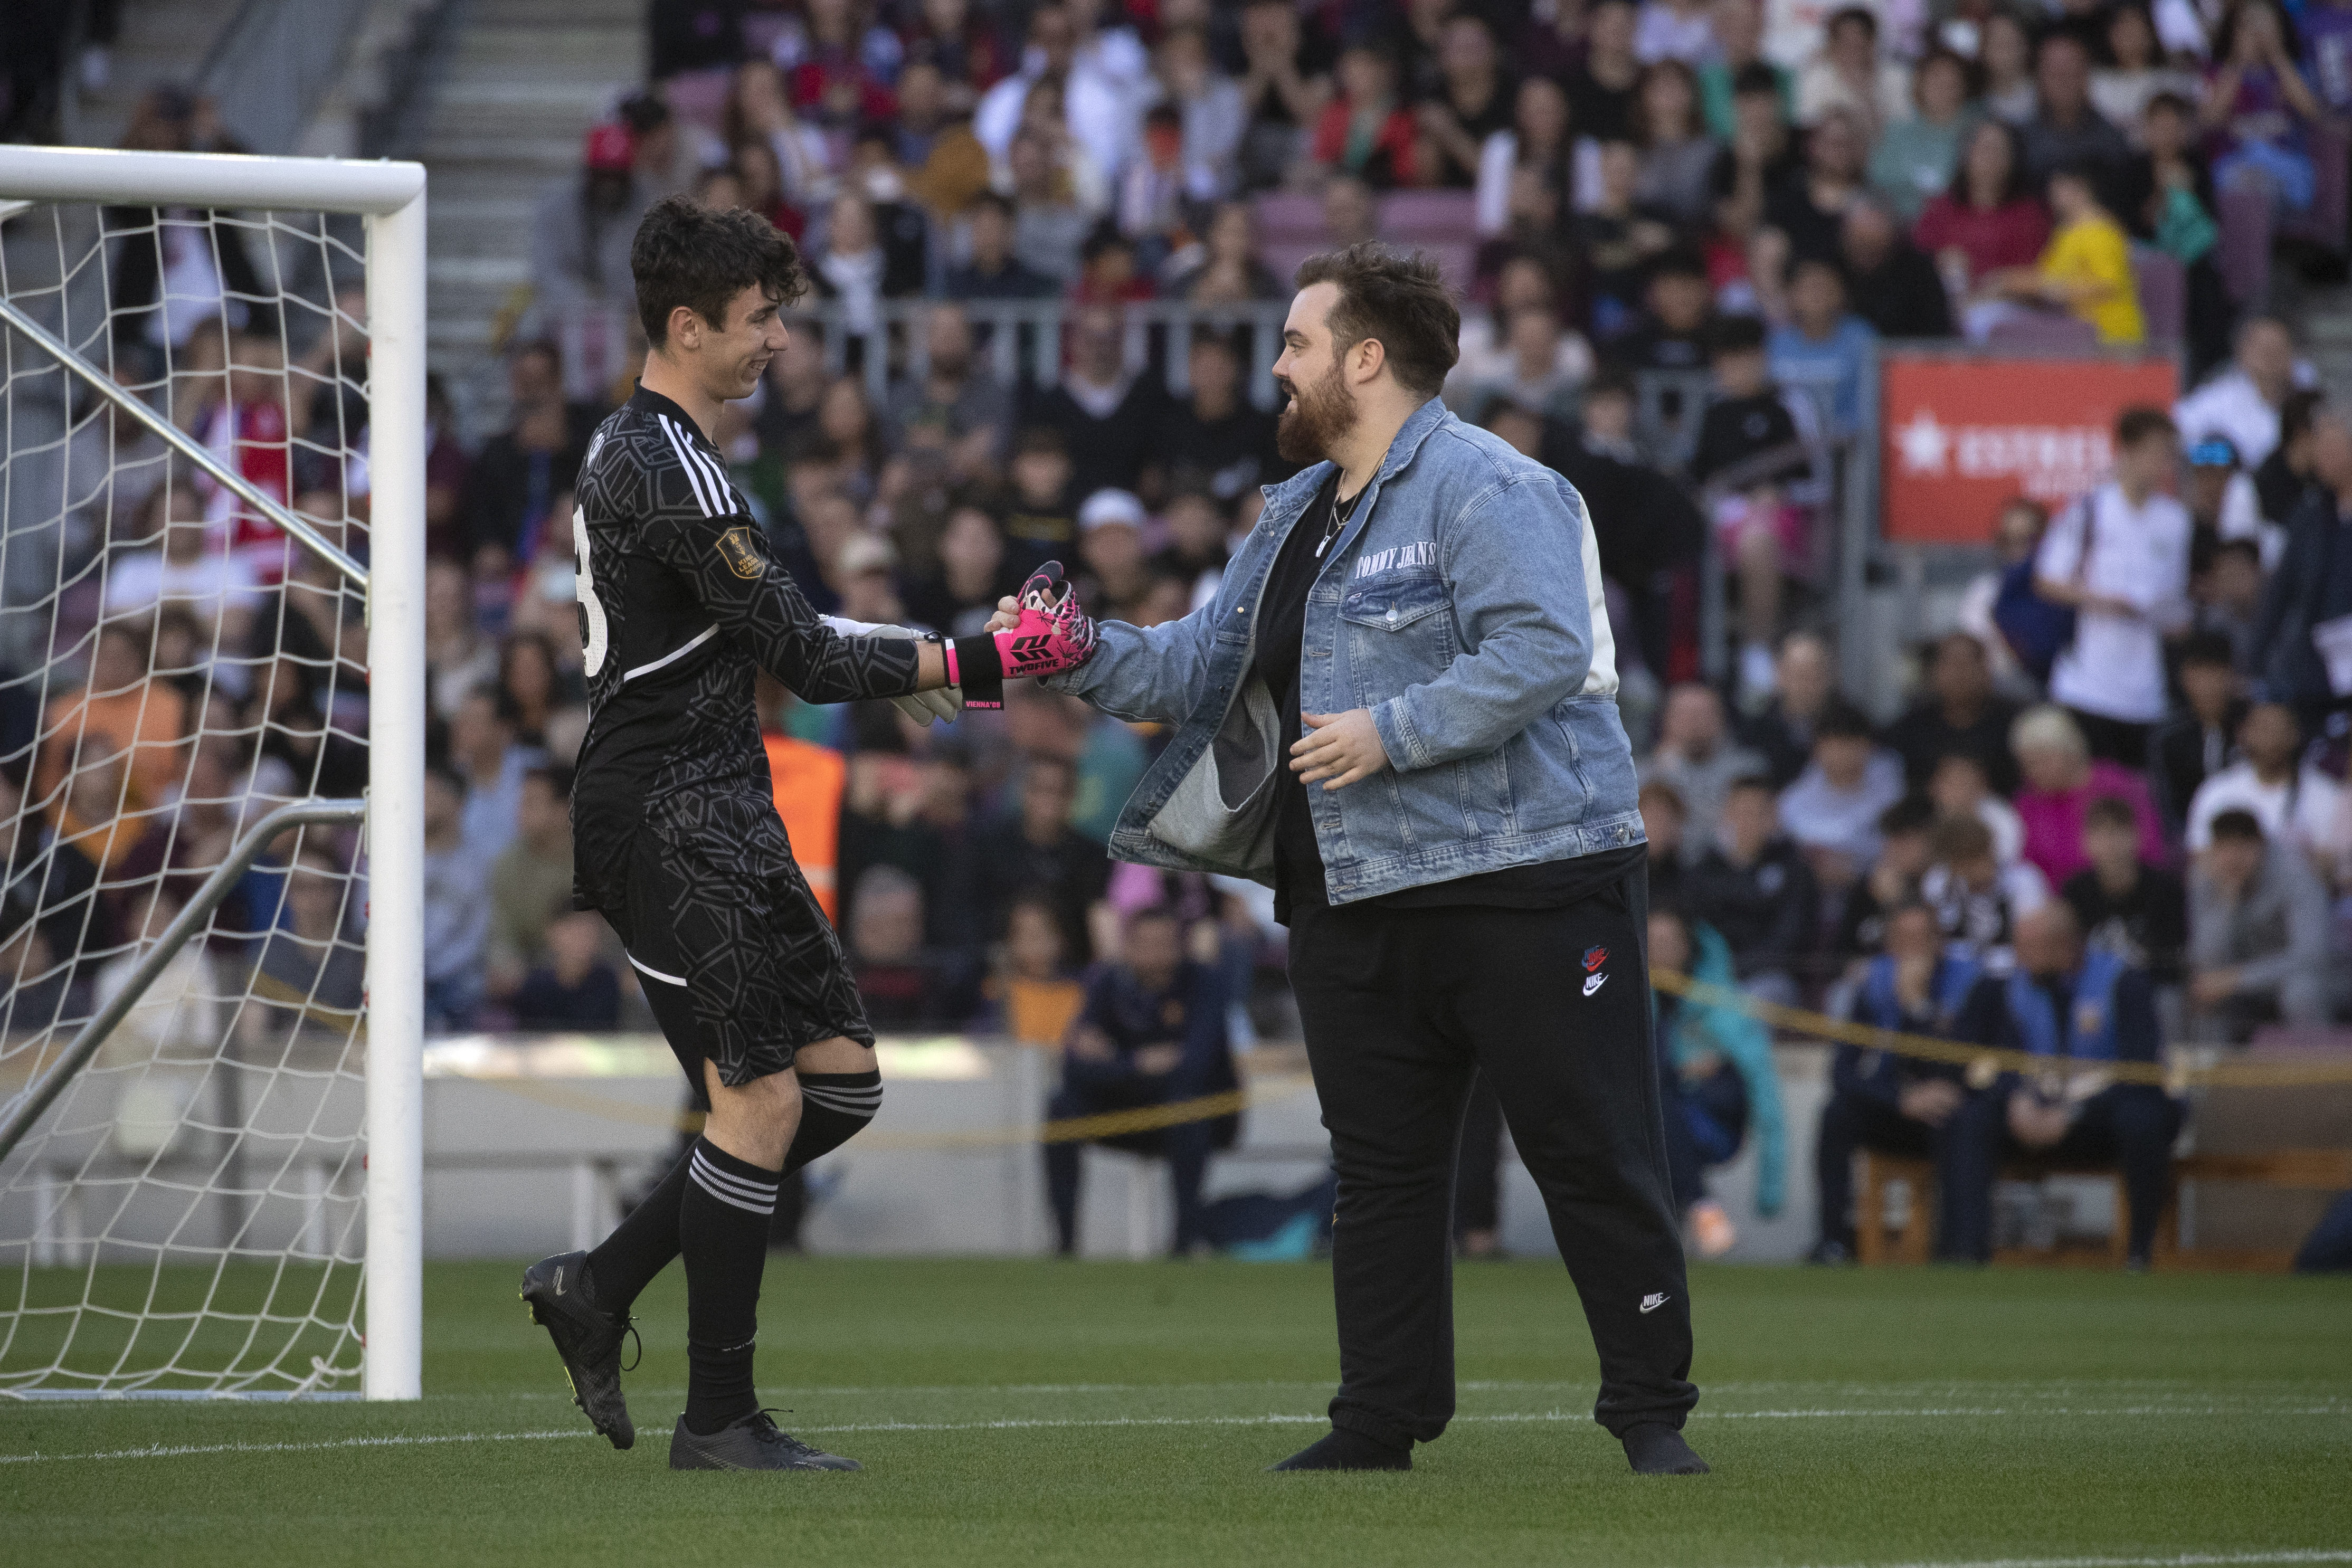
[[866, 552], [1106, 506]]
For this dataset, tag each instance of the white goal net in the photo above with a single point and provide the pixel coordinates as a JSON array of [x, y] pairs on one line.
[[193, 452]]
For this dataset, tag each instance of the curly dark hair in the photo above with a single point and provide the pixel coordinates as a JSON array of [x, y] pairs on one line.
[[1397, 298], [688, 253]]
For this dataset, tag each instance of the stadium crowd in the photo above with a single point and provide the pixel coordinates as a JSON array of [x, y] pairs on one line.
[[2129, 747]]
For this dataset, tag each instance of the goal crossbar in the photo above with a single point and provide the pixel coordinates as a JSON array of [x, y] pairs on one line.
[[391, 198]]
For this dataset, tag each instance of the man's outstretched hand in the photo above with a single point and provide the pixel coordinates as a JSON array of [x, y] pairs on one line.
[[1344, 746]]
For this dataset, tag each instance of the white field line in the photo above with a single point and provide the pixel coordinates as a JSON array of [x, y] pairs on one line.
[[1011, 1423], [175, 1451], [2027, 1388], [2183, 1559]]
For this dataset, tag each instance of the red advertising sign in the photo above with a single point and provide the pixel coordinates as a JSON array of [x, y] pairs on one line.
[[1963, 435]]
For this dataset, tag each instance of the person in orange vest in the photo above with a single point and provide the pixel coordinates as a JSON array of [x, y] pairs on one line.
[[1038, 994], [807, 780]]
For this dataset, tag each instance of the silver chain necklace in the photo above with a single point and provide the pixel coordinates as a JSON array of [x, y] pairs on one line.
[[1339, 516]]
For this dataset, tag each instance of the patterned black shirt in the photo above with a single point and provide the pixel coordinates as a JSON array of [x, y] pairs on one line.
[[678, 602]]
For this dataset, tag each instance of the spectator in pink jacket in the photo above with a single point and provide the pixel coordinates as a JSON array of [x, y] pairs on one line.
[[2060, 780]]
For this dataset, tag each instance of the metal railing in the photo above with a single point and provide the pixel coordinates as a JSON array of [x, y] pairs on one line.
[[1021, 340], [1668, 407]]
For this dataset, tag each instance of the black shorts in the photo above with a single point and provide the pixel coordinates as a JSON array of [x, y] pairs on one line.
[[741, 965]]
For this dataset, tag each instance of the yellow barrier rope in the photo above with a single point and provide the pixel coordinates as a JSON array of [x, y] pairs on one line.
[[1986, 1063], [1983, 1062]]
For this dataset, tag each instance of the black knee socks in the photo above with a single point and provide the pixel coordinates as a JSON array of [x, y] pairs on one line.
[[835, 1108], [642, 1245], [723, 1232]]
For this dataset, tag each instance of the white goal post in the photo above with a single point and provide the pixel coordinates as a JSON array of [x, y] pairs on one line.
[[389, 197]]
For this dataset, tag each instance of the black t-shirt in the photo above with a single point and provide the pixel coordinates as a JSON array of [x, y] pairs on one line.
[[2148, 926], [1297, 859], [1739, 429], [1814, 232], [1782, 170], [1495, 114], [1604, 113]]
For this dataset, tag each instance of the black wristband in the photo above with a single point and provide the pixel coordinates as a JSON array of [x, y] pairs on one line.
[[979, 670]]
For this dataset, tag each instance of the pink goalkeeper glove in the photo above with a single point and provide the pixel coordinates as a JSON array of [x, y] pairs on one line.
[[1051, 636]]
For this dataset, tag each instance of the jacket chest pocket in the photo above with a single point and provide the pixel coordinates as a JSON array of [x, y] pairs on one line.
[[1399, 634]]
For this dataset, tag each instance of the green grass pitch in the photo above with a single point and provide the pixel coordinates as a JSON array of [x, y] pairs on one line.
[[1036, 1414]]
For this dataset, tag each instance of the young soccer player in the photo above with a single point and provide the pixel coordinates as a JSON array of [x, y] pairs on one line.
[[676, 837]]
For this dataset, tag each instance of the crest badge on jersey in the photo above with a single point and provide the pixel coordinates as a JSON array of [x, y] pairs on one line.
[[741, 556]]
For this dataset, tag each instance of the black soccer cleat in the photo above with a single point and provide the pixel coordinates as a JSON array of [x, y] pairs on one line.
[[562, 1298], [755, 1443]]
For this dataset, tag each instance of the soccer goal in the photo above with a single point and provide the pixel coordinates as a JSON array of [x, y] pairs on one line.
[[212, 740]]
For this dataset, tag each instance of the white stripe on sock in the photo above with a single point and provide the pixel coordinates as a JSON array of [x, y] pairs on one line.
[[853, 1102], [703, 1181], [726, 1185], [750, 1187]]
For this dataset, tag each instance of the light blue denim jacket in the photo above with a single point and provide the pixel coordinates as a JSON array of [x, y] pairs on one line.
[[1463, 606]]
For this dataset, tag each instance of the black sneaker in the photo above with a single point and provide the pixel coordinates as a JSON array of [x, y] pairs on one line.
[[563, 1299], [755, 1443]]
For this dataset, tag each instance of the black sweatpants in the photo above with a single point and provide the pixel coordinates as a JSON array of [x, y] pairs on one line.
[[1478, 1174], [1552, 1006]]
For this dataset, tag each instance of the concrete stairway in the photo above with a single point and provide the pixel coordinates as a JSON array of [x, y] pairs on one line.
[[161, 41], [524, 80]]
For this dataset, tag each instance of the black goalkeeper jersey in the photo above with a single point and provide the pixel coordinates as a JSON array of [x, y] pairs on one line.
[[679, 602]]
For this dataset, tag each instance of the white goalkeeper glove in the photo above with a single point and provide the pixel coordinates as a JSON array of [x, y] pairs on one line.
[[924, 707]]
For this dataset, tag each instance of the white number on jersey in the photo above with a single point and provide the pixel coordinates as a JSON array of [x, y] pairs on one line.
[[595, 639]]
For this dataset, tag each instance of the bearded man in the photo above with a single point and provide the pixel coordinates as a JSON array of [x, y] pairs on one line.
[[1401, 711]]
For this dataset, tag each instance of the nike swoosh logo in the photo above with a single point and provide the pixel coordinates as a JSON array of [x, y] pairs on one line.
[[1594, 982], [1651, 1304], [558, 1281]]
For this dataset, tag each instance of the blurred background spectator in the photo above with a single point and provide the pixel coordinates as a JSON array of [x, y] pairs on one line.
[[1050, 245]]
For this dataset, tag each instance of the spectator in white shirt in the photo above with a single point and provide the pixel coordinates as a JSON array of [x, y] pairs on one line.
[[2242, 402], [1850, 74], [2120, 556], [2294, 803], [1832, 809], [219, 587], [1696, 755], [1673, 31], [1107, 77]]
